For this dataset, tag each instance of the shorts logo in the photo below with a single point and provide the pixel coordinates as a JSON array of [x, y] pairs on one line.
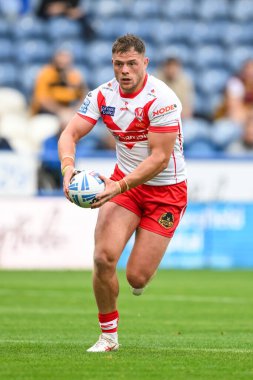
[[84, 107], [139, 113], [105, 110], [166, 220]]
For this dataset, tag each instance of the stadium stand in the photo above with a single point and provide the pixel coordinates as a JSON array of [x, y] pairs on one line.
[[211, 38]]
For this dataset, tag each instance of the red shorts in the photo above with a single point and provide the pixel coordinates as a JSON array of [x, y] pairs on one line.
[[159, 207]]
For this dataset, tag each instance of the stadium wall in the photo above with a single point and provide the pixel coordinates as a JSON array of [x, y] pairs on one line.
[[49, 232]]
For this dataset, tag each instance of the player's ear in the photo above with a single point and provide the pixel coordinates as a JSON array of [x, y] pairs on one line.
[[146, 61]]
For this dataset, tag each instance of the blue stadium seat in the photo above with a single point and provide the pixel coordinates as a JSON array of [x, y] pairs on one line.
[[62, 28], [117, 26], [101, 75], [33, 51], [238, 34], [178, 9], [212, 81], [242, 10], [77, 47], [145, 31], [224, 132], [10, 8], [86, 73], [209, 56], [8, 75], [180, 51], [237, 55], [143, 9], [200, 148], [100, 52], [106, 9], [165, 32], [152, 52], [213, 10], [27, 78], [29, 27], [207, 32], [7, 52], [182, 30], [206, 104], [5, 28], [88, 143], [195, 129]]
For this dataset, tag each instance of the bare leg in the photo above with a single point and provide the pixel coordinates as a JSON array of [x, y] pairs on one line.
[[145, 257], [114, 228]]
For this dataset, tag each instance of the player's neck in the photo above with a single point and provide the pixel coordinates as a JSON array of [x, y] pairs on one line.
[[137, 90]]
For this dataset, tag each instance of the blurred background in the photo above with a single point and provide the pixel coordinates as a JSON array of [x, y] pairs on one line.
[[53, 52]]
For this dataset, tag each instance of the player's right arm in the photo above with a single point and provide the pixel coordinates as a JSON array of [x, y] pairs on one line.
[[78, 127], [74, 131]]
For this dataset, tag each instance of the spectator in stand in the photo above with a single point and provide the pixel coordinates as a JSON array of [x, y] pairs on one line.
[[245, 144], [246, 78], [238, 97], [232, 106], [171, 72], [67, 8], [59, 88]]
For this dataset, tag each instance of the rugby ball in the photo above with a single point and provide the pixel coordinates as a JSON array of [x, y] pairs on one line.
[[84, 187]]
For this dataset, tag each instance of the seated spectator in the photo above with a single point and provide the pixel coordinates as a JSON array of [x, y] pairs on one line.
[[66, 8], [232, 106], [245, 144], [245, 77], [59, 88], [171, 72], [238, 97]]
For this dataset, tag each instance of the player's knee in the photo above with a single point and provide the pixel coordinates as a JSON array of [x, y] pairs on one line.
[[136, 280], [104, 261]]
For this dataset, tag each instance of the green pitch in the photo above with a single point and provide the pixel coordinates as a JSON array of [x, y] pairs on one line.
[[187, 325]]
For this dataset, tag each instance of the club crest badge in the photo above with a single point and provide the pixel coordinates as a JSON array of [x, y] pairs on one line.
[[166, 220], [139, 113]]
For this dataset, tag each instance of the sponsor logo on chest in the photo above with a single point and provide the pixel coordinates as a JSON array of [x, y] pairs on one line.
[[108, 110]]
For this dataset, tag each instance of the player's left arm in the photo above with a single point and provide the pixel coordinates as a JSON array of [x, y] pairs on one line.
[[161, 146]]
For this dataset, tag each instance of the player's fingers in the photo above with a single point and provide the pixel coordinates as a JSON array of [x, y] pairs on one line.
[[101, 176], [99, 202], [66, 181], [107, 194]]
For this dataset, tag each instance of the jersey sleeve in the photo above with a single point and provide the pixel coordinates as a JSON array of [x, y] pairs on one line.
[[164, 113], [89, 109]]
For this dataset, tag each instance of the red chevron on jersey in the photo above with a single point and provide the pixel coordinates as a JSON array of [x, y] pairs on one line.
[[136, 131], [131, 117]]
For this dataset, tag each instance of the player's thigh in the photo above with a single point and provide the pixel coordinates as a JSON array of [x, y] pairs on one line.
[[115, 226], [147, 253]]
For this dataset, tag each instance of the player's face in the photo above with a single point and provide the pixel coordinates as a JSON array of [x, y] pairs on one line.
[[130, 70]]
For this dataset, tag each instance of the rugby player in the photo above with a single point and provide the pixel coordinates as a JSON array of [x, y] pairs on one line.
[[147, 193]]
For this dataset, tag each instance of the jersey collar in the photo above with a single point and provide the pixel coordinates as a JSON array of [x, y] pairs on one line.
[[133, 94]]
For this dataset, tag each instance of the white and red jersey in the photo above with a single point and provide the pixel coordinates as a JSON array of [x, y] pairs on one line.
[[130, 117]]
